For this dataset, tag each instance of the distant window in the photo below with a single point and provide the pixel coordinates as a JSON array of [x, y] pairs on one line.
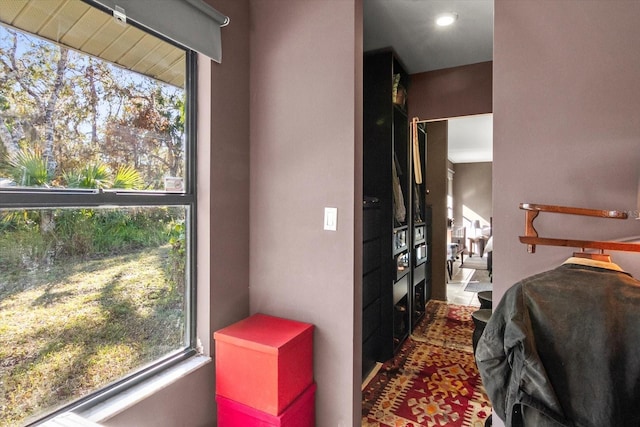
[[450, 193], [97, 205]]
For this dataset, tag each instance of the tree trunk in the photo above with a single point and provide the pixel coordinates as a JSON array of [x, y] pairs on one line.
[[47, 153], [93, 100]]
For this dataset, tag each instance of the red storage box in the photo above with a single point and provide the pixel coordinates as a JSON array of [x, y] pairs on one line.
[[264, 362], [301, 413]]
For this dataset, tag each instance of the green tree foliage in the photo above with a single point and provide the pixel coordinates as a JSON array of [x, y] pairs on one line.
[[127, 177], [68, 120], [77, 110], [91, 176], [29, 168], [177, 257], [99, 176]]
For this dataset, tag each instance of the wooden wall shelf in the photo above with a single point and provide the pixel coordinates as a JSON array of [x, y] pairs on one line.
[[531, 238]]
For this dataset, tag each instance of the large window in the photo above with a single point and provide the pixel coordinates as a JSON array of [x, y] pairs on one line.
[[97, 205]]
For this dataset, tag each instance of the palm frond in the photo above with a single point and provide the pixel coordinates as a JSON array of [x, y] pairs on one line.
[[94, 175], [29, 168], [127, 177]]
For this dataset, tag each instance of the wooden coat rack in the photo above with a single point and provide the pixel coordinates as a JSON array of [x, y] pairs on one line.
[[531, 238], [417, 166]]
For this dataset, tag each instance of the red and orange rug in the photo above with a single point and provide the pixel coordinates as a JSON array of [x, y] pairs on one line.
[[433, 379]]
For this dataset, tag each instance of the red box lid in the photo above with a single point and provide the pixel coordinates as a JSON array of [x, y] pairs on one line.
[[263, 332]]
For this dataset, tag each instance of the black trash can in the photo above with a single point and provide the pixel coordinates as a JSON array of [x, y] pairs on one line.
[[480, 319]]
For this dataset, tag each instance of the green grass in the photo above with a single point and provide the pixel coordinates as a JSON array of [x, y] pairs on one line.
[[73, 327]]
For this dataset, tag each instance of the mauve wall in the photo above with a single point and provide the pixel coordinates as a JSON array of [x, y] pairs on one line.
[[451, 92], [306, 121], [472, 188], [230, 204], [229, 174], [566, 125]]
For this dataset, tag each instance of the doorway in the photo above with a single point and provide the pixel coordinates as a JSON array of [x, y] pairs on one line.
[[469, 206]]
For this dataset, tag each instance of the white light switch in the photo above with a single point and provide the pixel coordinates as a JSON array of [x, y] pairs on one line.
[[330, 219]]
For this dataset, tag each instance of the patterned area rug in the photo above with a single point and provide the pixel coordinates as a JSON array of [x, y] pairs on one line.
[[433, 379]]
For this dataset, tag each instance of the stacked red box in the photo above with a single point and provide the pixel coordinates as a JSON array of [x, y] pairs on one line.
[[301, 413], [264, 368]]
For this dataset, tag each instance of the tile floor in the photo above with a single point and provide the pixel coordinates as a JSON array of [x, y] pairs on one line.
[[455, 288]]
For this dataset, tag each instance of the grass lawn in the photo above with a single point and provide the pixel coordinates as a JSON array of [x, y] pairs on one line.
[[73, 327]]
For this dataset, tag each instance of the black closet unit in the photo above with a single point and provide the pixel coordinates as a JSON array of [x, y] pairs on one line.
[[388, 175], [372, 273]]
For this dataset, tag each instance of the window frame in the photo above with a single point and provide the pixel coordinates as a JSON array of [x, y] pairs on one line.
[[15, 198]]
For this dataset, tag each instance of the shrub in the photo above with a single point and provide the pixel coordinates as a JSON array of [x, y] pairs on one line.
[[177, 259]]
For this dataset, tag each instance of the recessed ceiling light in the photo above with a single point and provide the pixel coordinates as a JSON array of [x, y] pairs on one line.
[[445, 19]]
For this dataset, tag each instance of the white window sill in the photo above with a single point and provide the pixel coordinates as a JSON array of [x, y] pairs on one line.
[[126, 399], [69, 419]]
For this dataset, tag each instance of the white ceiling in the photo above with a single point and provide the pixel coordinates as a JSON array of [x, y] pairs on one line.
[[471, 139], [408, 26]]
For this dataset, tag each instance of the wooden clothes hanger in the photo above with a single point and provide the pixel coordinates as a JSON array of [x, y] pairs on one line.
[[531, 238], [601, 256]]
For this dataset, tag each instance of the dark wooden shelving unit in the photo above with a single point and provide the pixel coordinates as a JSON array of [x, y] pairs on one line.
[[372, 273], [404, 219]]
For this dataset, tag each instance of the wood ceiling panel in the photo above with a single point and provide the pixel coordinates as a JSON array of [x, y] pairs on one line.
[[61, 20], [136, 55], [164, 68], [120, 45], [175, 74], [10, 10], [33, 15], [107, 35], [84, 28]]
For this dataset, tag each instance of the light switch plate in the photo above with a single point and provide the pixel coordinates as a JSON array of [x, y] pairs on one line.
[[330, 219]]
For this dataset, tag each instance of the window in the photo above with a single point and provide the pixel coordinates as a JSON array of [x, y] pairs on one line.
[[97, 206]]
